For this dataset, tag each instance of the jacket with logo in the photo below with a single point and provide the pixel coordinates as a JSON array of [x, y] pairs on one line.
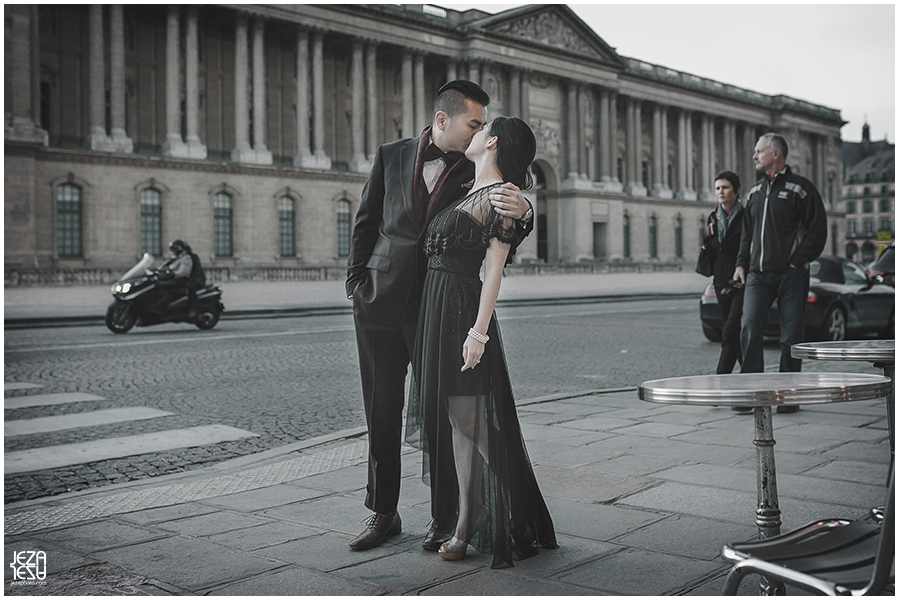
[[784, 224]]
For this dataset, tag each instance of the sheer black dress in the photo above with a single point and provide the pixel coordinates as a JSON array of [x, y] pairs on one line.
[[508, 516]]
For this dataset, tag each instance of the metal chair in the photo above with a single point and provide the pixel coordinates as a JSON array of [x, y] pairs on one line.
[[829, 557]]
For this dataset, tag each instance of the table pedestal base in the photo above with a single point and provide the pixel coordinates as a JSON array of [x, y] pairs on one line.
[[768, 515]]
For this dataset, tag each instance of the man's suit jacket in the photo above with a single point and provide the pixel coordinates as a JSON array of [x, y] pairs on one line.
[[386, 266]]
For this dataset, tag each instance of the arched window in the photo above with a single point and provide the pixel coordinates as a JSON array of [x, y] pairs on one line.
[[286, 227], [626, 236], [68, 220], [652, 233], [222, 228], [679, 245], [151, 222], [343, 228]]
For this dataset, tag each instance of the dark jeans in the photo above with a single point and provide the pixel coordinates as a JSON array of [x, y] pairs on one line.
[[731, 305], [790, 287]]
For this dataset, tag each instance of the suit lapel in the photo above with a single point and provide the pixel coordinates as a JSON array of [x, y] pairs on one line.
[[407, 173]]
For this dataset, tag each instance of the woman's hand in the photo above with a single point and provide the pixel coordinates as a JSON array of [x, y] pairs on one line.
[[472, 352]]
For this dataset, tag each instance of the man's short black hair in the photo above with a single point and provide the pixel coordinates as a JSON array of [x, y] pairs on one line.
[[453, 94]]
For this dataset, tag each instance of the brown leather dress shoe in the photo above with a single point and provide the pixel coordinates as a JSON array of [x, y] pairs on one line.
[[437, 536], [377, 530]]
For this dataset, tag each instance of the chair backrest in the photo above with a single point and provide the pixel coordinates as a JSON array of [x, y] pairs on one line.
[[884, 558]]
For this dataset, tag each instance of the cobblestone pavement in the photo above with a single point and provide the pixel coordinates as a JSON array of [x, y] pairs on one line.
[[288, 380]]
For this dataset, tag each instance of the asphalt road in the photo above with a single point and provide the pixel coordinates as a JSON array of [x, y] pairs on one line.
[[291, 379]]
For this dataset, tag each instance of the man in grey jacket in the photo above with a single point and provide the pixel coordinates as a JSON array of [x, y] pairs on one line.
[[784, 230]]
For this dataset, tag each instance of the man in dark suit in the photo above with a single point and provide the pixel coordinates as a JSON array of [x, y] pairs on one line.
[[411, 181]]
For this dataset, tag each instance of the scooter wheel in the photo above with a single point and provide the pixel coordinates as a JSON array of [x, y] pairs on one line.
[[207, 318], [120, 317]]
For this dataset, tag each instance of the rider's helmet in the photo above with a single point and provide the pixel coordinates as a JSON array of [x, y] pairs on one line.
[[178, 246]]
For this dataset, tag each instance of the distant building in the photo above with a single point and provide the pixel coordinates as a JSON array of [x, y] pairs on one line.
[[249, 130], [868, 196]]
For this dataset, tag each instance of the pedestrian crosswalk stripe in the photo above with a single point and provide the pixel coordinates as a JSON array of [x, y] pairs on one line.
[[41, 400], [7, 386], [87, 419], [113, 448]]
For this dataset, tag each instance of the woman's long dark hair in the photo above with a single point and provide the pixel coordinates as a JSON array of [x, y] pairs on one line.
[[516, 147]]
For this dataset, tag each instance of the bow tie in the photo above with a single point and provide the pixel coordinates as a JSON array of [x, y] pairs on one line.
[[433, 152]]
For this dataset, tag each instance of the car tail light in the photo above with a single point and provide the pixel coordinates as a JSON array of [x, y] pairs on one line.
[[811, 297]]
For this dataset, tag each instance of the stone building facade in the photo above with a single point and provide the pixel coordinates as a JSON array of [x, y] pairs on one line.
[[249, 130]]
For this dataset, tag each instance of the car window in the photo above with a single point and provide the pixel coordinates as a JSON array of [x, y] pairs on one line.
[[854, 274]]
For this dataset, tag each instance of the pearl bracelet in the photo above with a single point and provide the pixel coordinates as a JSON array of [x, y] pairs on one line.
[[482, 338]]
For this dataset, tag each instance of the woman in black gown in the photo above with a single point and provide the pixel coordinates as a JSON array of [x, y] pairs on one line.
[[461, 395]]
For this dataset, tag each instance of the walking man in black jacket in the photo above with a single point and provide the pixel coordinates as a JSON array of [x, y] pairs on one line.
[[784, 230]]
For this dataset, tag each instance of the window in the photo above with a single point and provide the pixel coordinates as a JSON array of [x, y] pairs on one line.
[[886, 225], [222, 227], [645, 174], [851, 207], [884, 205], [68, 220], [868, 206], [151, 222], [869, 227], [885, 190], [851, 229], [286, 227], [343, 227], [867, 191], [626, 236], [851, 192], [652, 232], [679, 247]]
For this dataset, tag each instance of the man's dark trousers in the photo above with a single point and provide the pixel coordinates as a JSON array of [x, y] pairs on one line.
[[791, 287], [384, 358]]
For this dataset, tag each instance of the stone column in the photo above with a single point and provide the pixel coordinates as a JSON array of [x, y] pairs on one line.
[[729, 156], [263, 154], [614, 141], [666, 191], [582, 126], [572, 129], [525, 97], [322, 160], [174, 145], [706, 159], [475, 71], [304, 157], [120, 140], [746, 169], [604, 137], [358, 161], [242, 152], [685, 157], [452, 71], [657, 150], [97, 138], [515, 92], [406, 80], [419, 93], [635, 186], [21, 76], [820, 180], [196, 149], [371, 102]]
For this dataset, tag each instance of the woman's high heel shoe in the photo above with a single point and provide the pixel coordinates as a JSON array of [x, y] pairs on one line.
[[453, 551]]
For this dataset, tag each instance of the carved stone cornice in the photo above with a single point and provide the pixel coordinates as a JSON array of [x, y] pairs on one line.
[[549, 29]]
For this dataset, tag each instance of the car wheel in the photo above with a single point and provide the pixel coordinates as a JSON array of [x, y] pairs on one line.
[[712, 334], [835, 326]]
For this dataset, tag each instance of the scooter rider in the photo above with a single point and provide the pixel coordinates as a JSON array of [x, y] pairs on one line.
[[182, 272]]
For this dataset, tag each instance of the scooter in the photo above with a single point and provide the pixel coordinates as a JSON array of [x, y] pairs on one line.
[[137, 294]]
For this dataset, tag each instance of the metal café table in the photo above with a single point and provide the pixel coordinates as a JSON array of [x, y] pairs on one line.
[[879, 353], [762, 392]]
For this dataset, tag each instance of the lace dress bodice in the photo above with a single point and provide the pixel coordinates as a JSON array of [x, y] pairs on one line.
[[458, 237]]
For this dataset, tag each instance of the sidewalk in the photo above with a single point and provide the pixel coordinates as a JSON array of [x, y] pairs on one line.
[[253, 298], [643, 497]]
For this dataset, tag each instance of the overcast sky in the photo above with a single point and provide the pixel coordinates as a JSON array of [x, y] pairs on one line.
[[836, 55]]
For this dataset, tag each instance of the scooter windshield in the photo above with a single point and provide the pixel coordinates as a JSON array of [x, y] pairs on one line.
[[138, 269]]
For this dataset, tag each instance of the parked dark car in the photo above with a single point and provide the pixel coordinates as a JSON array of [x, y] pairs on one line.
[[845, 302], [883, 266]]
